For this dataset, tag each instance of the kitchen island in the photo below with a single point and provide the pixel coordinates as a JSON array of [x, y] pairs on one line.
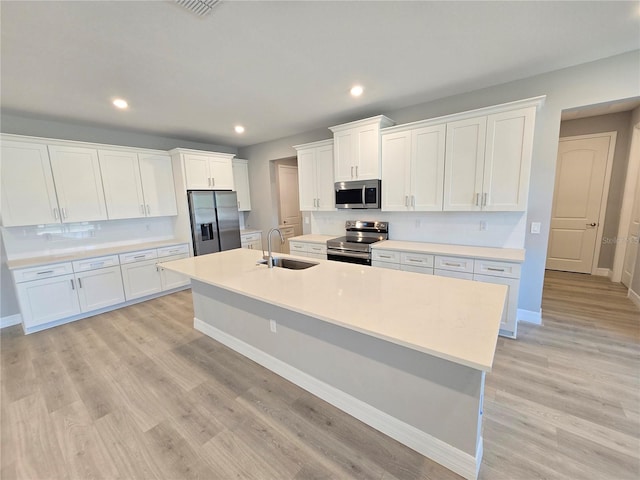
[[403, 352]]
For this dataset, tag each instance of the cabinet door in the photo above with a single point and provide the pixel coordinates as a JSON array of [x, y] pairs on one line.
[[507, 160], [241, 184], [324, 176], [47, 300], [28, 194], [171, 280], [464, 164], [140, 279], [427, 168], [396, 171], [121, 182], [221, 173], [344, 149], [100, 288], [159, 191], [196, 169], [367, 165], [508, 324], [307, 181], [76, 174]]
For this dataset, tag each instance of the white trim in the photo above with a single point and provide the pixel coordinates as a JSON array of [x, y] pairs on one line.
[[602, 272], [452, 458], [626, 210], [605, 190], [634, 297], [10, 320], [530, 316]]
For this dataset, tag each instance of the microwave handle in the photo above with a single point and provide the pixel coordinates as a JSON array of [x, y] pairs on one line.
[[364, 193]]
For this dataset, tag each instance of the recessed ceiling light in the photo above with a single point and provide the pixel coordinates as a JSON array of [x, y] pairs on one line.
[[357, 90], [239, 129], [120, 103]]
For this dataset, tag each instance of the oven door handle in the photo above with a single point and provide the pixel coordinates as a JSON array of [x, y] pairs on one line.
[[344, 253]]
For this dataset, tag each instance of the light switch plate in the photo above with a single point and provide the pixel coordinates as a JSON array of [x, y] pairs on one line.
[[535, 227]]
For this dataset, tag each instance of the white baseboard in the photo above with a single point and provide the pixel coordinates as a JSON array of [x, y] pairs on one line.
[[634, 297], [530, 316], [452, 458], [602, 272], [10, 320]]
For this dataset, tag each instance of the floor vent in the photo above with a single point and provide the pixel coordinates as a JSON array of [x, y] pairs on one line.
[[199, 7]]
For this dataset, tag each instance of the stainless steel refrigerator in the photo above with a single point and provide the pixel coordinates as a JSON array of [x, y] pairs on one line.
[[215, 225]]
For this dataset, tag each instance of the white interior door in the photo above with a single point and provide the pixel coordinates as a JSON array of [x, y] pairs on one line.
[[633, 237], [289, 200], [580, 183]]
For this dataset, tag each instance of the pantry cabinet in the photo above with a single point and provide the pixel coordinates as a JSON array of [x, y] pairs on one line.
[[28, 192], [315, 176], [76, 174], [413, 168], [207, 170], [357, 149], [241, 183]]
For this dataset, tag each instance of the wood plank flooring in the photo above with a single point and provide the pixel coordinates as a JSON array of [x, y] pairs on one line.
[[139, 394]]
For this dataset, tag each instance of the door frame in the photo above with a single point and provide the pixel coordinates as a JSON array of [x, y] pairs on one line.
[[633, 176], [605, 193]]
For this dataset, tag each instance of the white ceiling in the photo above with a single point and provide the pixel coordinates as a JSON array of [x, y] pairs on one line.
[[281, 68]]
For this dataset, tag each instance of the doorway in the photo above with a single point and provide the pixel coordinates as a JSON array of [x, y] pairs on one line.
[[583, 172], [287, 199]]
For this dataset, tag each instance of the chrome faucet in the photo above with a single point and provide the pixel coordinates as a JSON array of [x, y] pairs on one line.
[[269, 259]]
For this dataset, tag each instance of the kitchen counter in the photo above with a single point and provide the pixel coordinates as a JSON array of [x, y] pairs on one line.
[[249, 231], [313, 238], [453, 319], [86, 253], [403, 352], [485, 253]]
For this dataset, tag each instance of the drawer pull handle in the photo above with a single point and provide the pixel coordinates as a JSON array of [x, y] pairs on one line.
[[414, 260], [451, 264], [93, 265], [45, 273], [140, 256], [385, 256], [495, 269]]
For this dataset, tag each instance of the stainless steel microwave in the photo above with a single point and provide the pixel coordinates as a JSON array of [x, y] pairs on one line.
[[358, 194]]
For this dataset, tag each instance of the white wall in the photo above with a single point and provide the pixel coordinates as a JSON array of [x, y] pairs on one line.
[[592, 83]]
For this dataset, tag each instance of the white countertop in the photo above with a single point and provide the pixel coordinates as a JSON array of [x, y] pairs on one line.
[[313, 238], [87, 253], [249, 231], [457, 320], [486, 253]]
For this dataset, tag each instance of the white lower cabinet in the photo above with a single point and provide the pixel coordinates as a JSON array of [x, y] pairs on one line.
[[47, 300], [453, 274], [141, 278], [308, 249], [99, 288], [168, 279], [252, 241]]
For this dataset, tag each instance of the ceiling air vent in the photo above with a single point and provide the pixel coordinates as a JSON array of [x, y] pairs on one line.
[[199, 7]]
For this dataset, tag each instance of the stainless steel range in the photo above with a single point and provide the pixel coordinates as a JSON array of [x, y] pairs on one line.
[[355, 247]]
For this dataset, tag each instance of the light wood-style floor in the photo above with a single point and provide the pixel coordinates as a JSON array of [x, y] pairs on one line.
[[138, 394]]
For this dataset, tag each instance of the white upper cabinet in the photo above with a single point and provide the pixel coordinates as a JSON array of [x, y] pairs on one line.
[[28, 192], [357, 149], [241, 183], [315, 176], [507, 160], [413, 168], [122, 184], [488, 161], [76, 174], [207, 170], [156, 174]]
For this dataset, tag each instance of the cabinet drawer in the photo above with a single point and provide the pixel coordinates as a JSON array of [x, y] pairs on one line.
[[138, 256], [317, 249], [46, 271], [453, 274], [389, 256], [296, 247], [496, 269], [417, 269], [416, 259], [173, 250], [95, 263], [250, 237], [455, 264], [388, 265]]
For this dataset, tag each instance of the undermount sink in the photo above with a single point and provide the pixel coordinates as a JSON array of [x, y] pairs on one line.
[[289, 263]]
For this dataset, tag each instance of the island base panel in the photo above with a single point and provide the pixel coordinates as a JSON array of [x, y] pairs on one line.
[[429, 404]]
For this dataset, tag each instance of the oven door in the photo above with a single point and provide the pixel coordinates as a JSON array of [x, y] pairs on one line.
[[360, 258]]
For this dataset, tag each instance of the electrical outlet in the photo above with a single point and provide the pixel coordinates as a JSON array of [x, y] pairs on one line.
[[535, 227], [272, 326], [483, 226]]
